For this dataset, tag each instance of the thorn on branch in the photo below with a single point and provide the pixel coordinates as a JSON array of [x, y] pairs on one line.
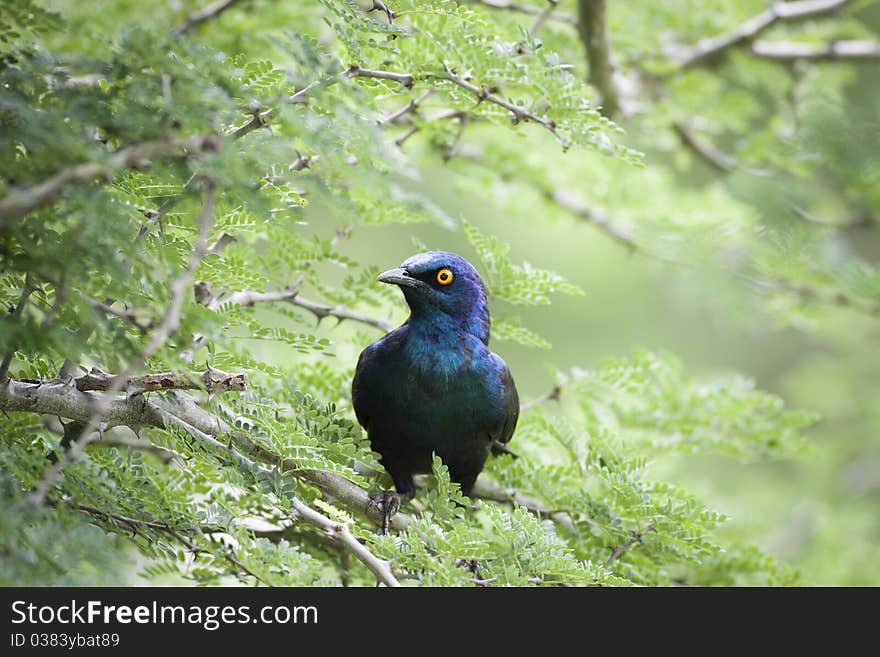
[[381, 6]]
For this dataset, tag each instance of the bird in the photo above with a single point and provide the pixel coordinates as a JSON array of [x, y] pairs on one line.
[[432, 385]]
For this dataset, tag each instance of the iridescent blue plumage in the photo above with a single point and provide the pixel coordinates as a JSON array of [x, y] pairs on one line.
[[432, 385]]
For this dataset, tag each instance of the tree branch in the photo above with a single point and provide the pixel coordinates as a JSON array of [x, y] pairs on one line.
[[291, 295], [125, 315], [788, 51], [208, 13], [519, 114], [711, 49], [61, 398], [593, 216], [179, 287], [135, 444], [620, 549], [543, 17], [211, 380], [403, 79], [410, 108], [818, 295], [714, 157], [381, 6], [340, 533], [523, 9], [593, 29], [21, 201], [551, 395]]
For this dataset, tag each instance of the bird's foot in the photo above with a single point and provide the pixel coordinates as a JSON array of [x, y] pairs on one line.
[[387, 503]]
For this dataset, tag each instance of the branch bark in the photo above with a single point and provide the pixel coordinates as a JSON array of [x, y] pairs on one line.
[[61, 398], [403, 79], [593, 29], [211, 380], [291, 295], [711, 49]]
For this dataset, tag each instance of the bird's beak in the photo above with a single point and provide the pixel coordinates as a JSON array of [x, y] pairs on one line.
[[398, 276]]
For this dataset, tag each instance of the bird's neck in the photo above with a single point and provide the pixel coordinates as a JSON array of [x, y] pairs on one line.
[[448, 331]]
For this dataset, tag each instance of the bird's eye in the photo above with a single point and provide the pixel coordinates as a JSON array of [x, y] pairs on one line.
[[444, 276]]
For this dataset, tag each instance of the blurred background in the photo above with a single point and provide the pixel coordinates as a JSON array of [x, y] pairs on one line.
[[751, 233]]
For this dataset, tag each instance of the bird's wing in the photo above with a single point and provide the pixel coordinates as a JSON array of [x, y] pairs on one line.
[[361, 387], [508, 406]]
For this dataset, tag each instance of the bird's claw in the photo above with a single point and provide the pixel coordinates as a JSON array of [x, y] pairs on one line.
[[386, 503]]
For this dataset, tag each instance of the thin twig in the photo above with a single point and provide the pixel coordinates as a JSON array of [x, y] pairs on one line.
[[406, 135], [410, 108], [125, 315], [135, 444], [19, 202], [620, 549], [716, 158], [551, 395], [787, 51], [594, 216], [381, 6], [523, 9], [519, 114], [291, 295], [205, 14], [135, 523], [26, 291], [543, 17]]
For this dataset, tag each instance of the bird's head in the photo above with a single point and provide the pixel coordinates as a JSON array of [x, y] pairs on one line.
[[439, 284]]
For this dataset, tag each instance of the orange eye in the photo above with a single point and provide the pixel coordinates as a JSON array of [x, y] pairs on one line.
[[444, 276]]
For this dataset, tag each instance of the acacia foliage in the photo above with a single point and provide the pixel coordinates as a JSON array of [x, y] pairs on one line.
[[293, 141]]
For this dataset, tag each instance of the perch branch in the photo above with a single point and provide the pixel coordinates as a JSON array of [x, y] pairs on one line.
[[212, 380]]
